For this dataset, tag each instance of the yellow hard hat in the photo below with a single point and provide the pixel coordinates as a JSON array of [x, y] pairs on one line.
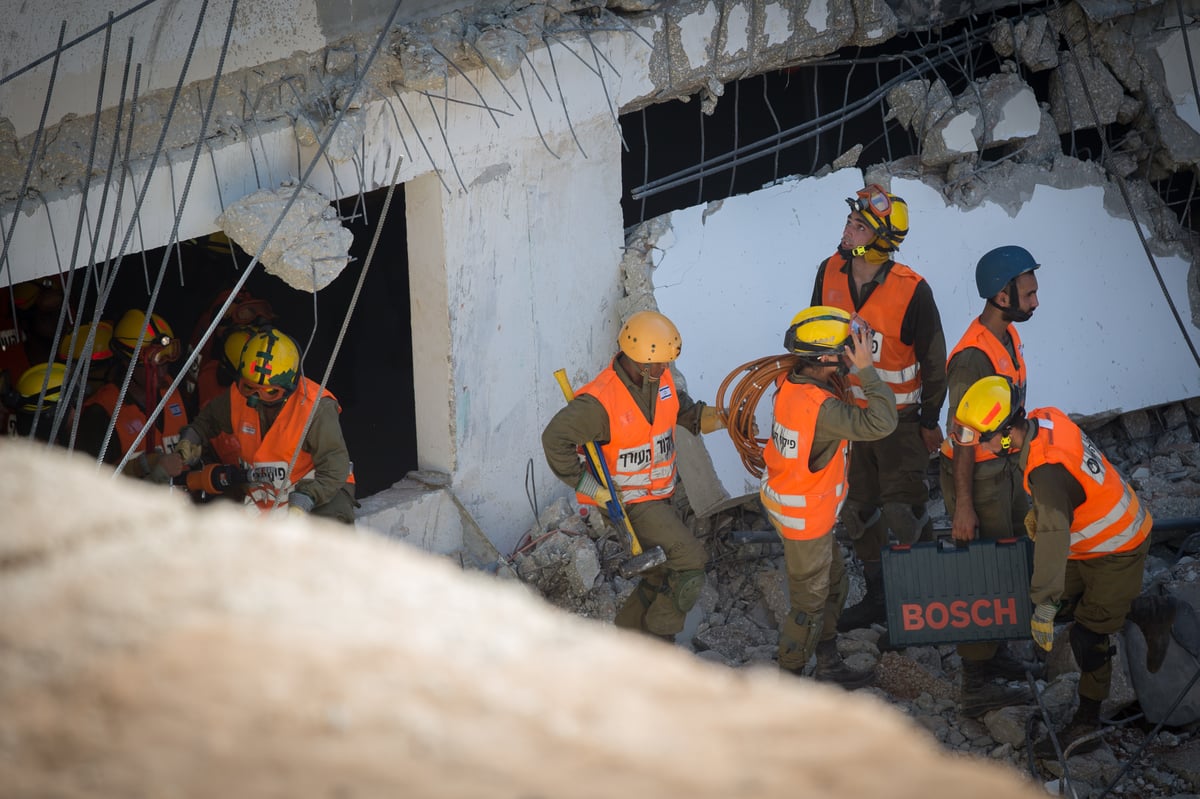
[[26, 294], [992, 404], [158, 344], [819, 330], [101, 346], [29, 385], [235, 342], [269, 366], [650, 337], [884, 213]]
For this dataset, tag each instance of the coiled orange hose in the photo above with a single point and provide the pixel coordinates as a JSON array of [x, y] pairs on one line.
[[759, 375]]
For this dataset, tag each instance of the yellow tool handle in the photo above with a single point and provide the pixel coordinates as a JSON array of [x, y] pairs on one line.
[[594, 455]]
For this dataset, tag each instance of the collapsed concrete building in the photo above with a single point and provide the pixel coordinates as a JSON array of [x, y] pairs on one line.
[[505, 126], [553, 165]]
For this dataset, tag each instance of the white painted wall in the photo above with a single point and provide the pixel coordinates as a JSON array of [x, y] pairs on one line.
[[732, 276]]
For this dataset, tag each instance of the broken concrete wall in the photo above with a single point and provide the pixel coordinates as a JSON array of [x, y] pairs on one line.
[[512, 170], [1086, 346]]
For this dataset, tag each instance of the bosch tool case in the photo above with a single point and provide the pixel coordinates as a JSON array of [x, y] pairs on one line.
[[937, 593]]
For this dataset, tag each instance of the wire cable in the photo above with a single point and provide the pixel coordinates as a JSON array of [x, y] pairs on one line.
[[748, 389]]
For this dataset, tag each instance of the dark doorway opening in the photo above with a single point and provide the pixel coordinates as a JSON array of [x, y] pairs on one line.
[[372, 376]]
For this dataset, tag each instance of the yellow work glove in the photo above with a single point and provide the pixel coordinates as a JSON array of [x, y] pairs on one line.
[[188, 450], [711, 420], [1042, 624], [590, 487], [1031, 524]]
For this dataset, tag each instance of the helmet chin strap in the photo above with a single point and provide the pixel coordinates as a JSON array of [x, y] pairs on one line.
[[1013, 312]]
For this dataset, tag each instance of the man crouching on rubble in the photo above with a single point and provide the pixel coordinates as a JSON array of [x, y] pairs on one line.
[[1091, 535], [804, 485]]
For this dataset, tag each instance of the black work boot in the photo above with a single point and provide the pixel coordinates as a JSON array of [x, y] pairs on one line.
[[1154, 616], [1085, 722], [1006, 665], [870, 609], [978, 694], [831, 668]]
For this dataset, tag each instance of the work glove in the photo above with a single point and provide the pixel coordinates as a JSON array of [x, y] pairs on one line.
[[590, 487], [1031, 524], [188, 450], [1042, 624], [711, 420], [300, 504]]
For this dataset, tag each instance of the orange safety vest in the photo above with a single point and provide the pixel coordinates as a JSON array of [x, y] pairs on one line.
[[1111, 518], [803, 503], [640, 455], [131, 419], [266, 458], [895, 362], [980, 338], [208, 387]]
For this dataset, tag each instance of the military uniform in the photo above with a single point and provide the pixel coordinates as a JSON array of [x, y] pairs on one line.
[[662, 598]]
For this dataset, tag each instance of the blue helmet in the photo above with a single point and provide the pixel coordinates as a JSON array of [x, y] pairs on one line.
[[999, 266]]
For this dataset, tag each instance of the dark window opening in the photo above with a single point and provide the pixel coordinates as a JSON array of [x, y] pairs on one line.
[[797, 121], [372, 377]]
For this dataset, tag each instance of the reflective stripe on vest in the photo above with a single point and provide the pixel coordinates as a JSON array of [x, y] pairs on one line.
[[267, 457], [640, 455], [1111, 518], [895, 362], [979, 337], [803, 504]]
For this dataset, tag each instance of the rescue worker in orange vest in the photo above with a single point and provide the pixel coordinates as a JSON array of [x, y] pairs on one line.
[[908, 348], [38, 397], [100, 359], [631, 409], [156, 348], [259, 425], [209, 370], [28, 319], [1091, 534], [804, 485], [216, 375], [983, 493]]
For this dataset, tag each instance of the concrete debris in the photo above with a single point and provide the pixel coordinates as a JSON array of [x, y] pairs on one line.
[[1015, 115], [1102, 10], [877, 22], [637, 266], [635, 6], [421, 67], [311, 246], [502, 49], [735, 624], [713, 90], [848, 158], [1032, 41], [1084, 94], [919, 104]]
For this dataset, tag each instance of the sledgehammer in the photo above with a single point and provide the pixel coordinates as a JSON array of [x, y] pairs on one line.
[[639, 561]]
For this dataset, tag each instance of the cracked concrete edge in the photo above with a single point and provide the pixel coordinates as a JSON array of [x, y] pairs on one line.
[[307, 89]]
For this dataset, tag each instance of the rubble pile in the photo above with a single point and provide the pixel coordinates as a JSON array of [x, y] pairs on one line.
[[572, 560]]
